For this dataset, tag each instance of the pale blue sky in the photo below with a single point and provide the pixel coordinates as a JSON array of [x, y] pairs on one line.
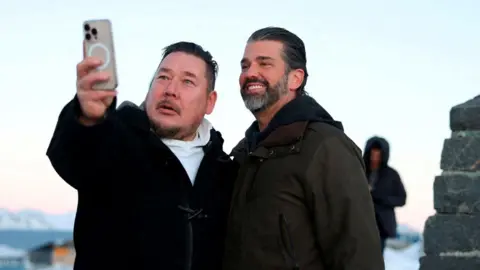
[[393, 68]]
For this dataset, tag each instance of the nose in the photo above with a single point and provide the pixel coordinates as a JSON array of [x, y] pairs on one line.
[[251, 71], [171, 89]]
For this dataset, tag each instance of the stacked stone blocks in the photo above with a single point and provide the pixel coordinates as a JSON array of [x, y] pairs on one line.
[[452, 235]]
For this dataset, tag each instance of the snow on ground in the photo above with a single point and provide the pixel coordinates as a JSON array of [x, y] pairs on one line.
[[402, 253], [9, 252], [405, 259]]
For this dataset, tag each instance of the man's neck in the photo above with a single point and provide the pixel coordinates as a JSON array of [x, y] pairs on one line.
[[189, 137], [265, 117]]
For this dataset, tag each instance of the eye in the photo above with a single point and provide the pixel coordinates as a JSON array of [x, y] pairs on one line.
[[162, 77], [265, 64], [244, 66], [187, 81]]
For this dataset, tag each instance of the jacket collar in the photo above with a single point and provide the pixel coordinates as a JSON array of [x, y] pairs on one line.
[[285, 135], [282, 141]]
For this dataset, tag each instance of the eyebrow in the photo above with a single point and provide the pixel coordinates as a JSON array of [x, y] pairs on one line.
[[258, 58], [166, 70], [190, 74], [187, 73]]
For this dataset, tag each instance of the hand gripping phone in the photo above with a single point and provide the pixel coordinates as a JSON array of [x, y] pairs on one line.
[[98, 42]]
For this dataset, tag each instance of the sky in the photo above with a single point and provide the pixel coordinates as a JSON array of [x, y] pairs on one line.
[[388, 68]]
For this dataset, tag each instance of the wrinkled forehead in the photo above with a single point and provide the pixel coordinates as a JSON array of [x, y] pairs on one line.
[[180, 63], [262, 50]]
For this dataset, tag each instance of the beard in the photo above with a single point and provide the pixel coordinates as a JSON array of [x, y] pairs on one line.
[[175, 133], [163, 130], [167, 132], [258, 103]]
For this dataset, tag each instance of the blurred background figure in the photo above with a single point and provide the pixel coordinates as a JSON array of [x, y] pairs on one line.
[[386, 186]]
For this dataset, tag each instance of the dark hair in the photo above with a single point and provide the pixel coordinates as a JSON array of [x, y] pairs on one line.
[[376, 145], [198, 51], [293, 50]]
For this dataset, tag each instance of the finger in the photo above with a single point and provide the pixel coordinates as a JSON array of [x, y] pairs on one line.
[[98, 95], [87, 82], [104, 94], [86, 65]]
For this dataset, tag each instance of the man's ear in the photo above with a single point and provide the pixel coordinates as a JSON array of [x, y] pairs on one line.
[[211, 100], [295, 79]]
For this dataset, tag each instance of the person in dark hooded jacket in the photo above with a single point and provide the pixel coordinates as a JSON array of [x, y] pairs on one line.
[[301, 198], [385, 185]]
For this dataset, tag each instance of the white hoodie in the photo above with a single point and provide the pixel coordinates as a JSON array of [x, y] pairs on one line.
[[190, 153]]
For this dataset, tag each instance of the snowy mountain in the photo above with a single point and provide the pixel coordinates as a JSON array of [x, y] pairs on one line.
[[35, 220]]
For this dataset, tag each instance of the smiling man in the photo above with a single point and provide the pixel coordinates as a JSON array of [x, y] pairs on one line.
[[301, 199], [153, 182]]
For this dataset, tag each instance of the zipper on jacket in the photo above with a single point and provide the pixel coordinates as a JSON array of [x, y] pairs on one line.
[[256, 162], [287, 242]]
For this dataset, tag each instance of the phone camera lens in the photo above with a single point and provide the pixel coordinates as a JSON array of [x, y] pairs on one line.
[[88, 37], [86, 27], [94, 31]]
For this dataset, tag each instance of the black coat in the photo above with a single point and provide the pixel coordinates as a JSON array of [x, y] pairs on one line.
[[388, 191], [137, 208]]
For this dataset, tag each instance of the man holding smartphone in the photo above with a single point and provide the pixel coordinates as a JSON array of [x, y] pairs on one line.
[[154, 182]]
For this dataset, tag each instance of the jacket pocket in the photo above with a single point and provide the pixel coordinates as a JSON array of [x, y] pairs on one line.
[[287, 244]]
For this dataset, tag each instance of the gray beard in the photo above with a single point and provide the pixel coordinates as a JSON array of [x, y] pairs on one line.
[[259, 103]]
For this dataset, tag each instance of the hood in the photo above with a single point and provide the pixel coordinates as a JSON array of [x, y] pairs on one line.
[[302, 108], [130, 104], [202, 138], [378, 142]]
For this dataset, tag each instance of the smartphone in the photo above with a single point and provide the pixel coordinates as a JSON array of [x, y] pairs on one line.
[[98, 42]]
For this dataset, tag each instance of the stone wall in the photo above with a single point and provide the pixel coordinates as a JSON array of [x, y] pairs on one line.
[[452, 235]]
